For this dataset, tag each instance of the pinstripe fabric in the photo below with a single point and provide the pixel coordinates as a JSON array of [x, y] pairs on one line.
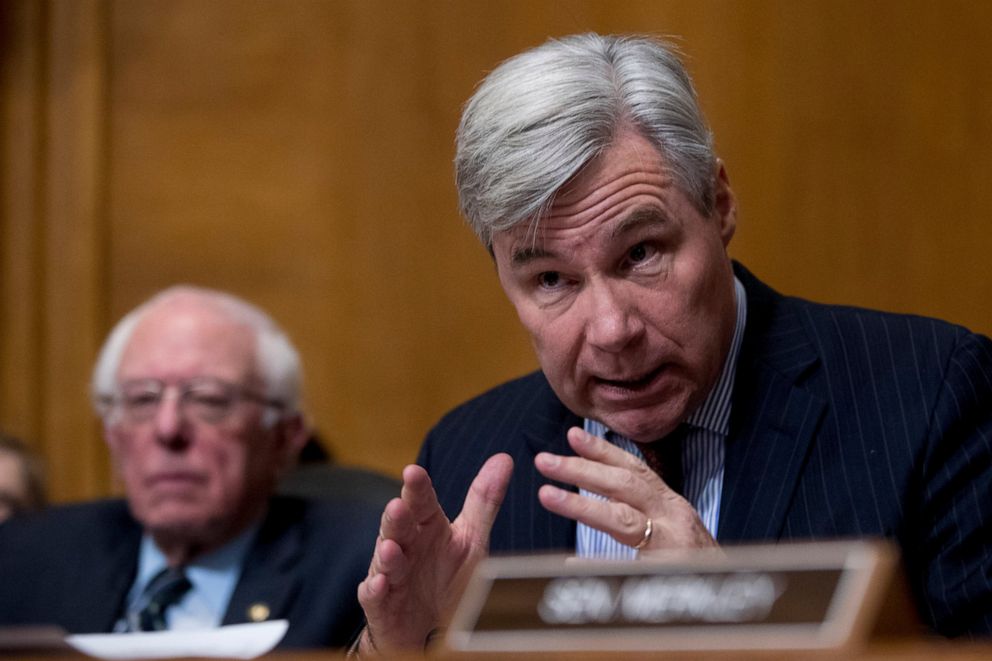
[[702, 452], [845, 423]]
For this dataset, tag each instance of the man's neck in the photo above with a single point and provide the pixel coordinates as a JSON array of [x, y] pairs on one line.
[[182, 546]]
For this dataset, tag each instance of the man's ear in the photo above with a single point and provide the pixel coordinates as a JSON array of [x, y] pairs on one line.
[[110, 438], [293, 432], [725, 204]]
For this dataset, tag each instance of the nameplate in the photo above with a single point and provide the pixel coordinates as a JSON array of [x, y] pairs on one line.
[[786, 596]]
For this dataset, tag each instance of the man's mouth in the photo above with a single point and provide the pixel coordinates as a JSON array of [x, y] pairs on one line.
[[633, 383], [175, 479]]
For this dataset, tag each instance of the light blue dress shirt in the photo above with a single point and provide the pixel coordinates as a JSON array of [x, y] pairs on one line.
[[213, 576]]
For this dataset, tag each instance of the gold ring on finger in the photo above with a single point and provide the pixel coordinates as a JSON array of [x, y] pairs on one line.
[[648, 525]]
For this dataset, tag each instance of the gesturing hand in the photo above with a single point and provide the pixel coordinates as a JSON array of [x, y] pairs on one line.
[[636, 494], [422, 561]]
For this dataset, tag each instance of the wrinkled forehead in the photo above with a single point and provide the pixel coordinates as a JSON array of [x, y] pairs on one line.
[[187, 338], [629, 183]]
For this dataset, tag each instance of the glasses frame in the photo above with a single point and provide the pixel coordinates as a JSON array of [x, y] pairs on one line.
[[112, 408]]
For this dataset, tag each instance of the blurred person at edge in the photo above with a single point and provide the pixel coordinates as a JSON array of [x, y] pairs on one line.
[[22, 482], [586, 169], [199, 393]]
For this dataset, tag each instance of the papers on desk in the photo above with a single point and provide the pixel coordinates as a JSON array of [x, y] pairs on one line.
[[236, 641]]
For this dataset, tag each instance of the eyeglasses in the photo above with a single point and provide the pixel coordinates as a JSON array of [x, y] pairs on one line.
[[206, 399]]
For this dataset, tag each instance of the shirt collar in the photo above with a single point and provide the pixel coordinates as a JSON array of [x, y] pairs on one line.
[[213, 575], [714, 413]]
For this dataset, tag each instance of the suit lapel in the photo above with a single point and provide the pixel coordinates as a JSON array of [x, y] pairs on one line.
[[120, 579], [268, 581], [552, 421], [102, 581], [773, 419]]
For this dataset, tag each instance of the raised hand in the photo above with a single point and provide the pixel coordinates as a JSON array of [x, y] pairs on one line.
[[422, 561], [636, 495]]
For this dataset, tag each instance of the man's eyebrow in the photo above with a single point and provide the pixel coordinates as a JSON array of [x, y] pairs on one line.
[[528, 254], [639, 219]]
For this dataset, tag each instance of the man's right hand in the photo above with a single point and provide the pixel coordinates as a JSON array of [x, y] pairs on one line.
[[422, 561]]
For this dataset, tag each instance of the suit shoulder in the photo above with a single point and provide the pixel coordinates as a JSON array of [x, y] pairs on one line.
[[772, 315], [62, 535], [876, 329], [507, 418], [861, 345], [862, 315], [71, 519], [510, 394]]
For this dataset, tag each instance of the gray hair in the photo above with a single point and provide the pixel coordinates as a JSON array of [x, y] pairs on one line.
[[277, 359], [542, 115]]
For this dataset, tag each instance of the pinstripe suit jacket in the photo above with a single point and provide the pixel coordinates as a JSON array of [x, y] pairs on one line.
[[846, 423]]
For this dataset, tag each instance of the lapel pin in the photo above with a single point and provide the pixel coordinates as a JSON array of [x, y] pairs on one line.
[[258, 612]]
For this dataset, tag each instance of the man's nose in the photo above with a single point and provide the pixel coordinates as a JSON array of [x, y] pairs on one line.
[[613, 321], [169, 418]]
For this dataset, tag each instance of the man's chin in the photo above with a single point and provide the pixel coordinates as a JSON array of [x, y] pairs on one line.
[[642, 426], [178, 521], [644, 418]]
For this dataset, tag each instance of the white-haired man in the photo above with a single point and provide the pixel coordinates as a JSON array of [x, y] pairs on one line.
[[680, 402], [199, 393]]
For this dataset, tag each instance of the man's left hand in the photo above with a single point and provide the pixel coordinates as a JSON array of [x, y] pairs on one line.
[[635, 493]]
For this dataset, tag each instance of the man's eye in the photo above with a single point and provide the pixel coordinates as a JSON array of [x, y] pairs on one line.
[[639, 253], [209, 400], [141, 400], [549, 279]]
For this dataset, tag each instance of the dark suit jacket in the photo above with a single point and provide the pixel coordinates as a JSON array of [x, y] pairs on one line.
[[845, 423], [74, 565]]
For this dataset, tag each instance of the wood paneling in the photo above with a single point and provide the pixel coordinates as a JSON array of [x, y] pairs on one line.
[[52, 220], [299, 153], [21, 27]]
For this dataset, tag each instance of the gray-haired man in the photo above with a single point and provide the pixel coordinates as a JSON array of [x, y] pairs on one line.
[[199, 393], [680, 401]]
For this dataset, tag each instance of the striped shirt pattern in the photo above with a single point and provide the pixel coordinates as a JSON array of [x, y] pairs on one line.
[[702, 453]]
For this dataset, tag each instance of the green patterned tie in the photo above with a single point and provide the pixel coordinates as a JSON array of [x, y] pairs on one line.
[[165, 590]]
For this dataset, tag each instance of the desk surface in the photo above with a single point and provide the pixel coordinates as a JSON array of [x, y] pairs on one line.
[[903, 651]]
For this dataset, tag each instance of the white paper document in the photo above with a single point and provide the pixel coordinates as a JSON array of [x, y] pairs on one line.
[[236, 641]]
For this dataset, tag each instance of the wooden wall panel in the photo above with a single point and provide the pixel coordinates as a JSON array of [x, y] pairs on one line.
[[299, 153], [21, 27], [73, 295], [52, 222]]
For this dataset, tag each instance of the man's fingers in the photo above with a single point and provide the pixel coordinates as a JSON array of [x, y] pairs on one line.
[[600, 450], [620, 521], [372, 593], [636, 484], [418, 493], [484, 499], [679, 527], [389, 559], [398, 523], [417, 567]]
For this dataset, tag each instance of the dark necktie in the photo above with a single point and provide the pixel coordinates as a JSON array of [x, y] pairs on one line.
[[664, 457], [165, 590]]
